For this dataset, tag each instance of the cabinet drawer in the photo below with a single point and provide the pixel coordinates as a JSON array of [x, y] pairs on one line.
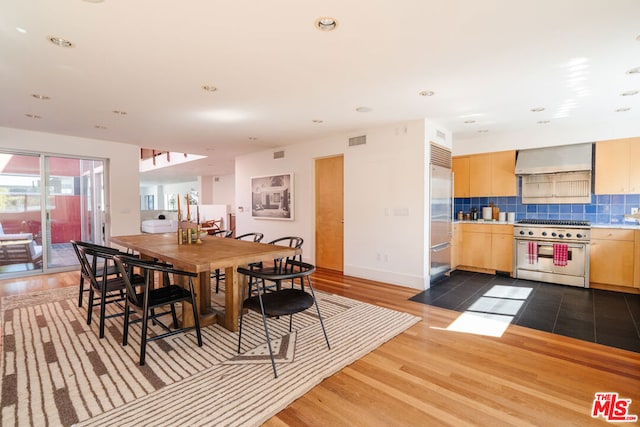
[[612, 234], [502, 229], [476, 228]]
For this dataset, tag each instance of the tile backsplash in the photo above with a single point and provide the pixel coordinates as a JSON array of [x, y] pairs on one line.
[[603, 209]]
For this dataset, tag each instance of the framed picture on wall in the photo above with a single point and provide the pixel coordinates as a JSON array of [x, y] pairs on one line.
[[272, 196]]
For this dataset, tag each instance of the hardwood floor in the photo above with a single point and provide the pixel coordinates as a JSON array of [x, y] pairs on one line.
[[431, 376]]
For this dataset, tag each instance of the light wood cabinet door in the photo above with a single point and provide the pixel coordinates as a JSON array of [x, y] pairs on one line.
[[636, 260], [502, 252], [480, 175], [456, 246], [460, 168], [476, 249], [612, 257], [634, 170], [612, 167], [503, 173]]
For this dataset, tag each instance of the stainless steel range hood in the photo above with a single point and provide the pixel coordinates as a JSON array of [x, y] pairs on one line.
[[564, 158], [556, 174]]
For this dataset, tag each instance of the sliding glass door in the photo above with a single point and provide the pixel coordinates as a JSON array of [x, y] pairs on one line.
[[45, 202], [20, 214]]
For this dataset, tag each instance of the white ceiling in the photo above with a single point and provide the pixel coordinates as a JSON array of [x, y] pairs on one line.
[[491, 61]]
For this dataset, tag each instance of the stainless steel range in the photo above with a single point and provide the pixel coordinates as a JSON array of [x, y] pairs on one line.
[[554, 251]]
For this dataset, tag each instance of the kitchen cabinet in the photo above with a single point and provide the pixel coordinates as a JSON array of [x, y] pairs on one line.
[[486, 247], [636, 260], [476, 246], [480, 175], [503, 174], [485, 175], [502, 247], [460, 168], [616, 170], [613, 256], [456, 245]]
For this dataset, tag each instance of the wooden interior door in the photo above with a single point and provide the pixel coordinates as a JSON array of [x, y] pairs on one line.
[[329, 213]]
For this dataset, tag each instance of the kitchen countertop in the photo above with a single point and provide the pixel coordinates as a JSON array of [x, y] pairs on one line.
[[481, 221], [626, 225]]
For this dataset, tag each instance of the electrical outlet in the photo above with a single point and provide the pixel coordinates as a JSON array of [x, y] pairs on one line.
[[634, 211]]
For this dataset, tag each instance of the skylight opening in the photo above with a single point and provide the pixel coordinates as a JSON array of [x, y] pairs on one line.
[[164, 161]]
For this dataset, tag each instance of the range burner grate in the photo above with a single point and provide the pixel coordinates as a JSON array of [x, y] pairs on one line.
[[560, 222]]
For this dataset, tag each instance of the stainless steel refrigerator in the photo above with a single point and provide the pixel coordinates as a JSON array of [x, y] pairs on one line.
[[440, 221]]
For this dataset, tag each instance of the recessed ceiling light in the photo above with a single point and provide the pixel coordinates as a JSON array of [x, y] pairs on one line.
[[544, 122], [364, 110], [426, 93], [59, 41], [99, 126], [253, 138], [635, 70], [629, 93], [21, 30], [318, 121], [209, 88], [623, 109], [468, 122], [326, 23], [94, 1], [119, 112], [38, 96], [33, 116], [537, 109]]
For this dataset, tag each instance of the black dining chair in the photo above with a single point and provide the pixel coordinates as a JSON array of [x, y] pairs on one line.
[[254, 237], [111, 270], [277, 266], [146, 300], [105, 288], [222, 233], [282, 301]]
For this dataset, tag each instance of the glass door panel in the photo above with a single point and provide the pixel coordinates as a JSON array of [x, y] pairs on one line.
[[74, 210], [20, 214]]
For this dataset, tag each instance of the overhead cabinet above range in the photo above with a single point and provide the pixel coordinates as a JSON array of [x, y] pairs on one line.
[[485, 175]]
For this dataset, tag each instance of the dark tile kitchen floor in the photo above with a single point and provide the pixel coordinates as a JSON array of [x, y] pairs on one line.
[[605, 317]]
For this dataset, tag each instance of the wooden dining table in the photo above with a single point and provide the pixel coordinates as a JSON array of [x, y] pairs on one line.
[[212, 254]]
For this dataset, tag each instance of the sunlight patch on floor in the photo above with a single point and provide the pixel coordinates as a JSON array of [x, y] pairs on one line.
[[492, 313]]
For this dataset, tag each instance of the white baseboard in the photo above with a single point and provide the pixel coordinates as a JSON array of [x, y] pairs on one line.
[[394, 278]]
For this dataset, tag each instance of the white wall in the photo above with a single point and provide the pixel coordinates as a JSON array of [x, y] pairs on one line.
[[384, 200], [224, 191], [123, 202]]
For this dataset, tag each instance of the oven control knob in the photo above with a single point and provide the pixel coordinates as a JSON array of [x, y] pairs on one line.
[[522, 232], [544, 233], [553, 234], [568, 234], [579, 236], [561, 236], [531, 233]]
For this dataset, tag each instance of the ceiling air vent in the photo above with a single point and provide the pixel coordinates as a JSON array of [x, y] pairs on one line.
[[441, 135], [440, 156], [357, 140], [278, 154]]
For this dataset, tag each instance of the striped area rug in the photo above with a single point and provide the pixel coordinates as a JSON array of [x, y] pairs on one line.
[[56, 371]]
